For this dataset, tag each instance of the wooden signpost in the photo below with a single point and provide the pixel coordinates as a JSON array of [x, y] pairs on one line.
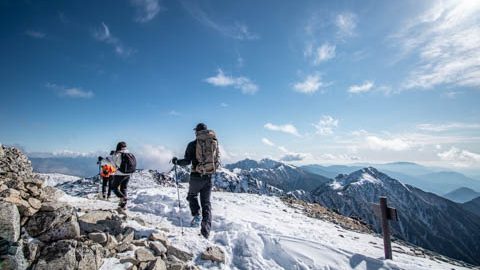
[[386, 213]]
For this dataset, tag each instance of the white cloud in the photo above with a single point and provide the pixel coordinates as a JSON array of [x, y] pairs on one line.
[[242, 83], [294, 157], [362, 88], [346, 24], [288, 128], [267, 142], [237, 30], [104, 35], [153, 157], [224, 105], [71, 92], [146, 10], [446, 43], [320, 54], [459, 157], [35, 34], [448, 127], [311, 84], [326, 125], [394, 144]]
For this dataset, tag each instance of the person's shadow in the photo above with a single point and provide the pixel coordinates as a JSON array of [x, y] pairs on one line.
[[371, 263]]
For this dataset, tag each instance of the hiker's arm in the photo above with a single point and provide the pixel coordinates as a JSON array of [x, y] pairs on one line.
[[189, 156]]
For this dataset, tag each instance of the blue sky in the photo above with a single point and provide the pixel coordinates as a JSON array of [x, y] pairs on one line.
[[300, 81]]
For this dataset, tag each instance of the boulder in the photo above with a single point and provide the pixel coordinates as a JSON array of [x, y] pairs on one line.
[[160, 236], [52, 226], [35, 203], [214, 253], [158, 248], [104, 221], [111, 242], [51, 206], [158, 264], [14, 196], [70, 254], [31, 248], [144, 255], [98, 237], [15, 259], [128, 235], [180, 254], [9, 221]]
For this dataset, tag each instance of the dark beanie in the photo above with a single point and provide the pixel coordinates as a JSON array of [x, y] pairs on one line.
[[121, 145]]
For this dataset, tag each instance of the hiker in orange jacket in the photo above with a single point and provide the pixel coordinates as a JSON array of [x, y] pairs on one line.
[[107, 170]]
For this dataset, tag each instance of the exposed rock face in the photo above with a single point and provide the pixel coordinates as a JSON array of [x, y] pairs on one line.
[[214, 253], [9, 222], [103, 221], [180, 254], [70, 254], [56, 225]]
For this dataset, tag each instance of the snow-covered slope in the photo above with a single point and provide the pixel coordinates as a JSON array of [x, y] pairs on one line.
[[53, 179], [425, 219], [255, 231]]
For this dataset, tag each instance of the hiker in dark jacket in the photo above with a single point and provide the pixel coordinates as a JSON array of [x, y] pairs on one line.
[[120, 179], [200, 179]]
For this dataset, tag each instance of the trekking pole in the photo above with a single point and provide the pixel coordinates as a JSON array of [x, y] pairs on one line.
[[178, 195]]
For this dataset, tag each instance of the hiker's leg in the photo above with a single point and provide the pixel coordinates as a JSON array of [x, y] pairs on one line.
[[123, 186], [192, 198], [117, 180], [205, 194], [110, 180], [104, 185]]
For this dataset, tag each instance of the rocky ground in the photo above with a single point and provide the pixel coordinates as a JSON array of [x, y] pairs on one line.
[[39, 232]]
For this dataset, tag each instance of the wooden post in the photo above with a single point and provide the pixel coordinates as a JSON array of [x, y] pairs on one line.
[[385, 228], [385, 213]]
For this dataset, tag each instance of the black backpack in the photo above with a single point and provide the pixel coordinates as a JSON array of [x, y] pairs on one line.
[[129, 163]]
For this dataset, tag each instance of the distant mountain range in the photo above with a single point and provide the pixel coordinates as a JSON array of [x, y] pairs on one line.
[[425, 219], [462, 195], [428, 179]]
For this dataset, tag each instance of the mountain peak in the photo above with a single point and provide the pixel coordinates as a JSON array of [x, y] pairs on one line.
[[360, 177]]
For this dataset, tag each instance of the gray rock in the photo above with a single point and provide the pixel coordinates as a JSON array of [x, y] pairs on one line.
[[214, 253], [111, 242], [160, 236], [129, 259], [180, 254], [104, 221], [98, 237], [128, 235], [158, 248], [15, 259], [51, 206], [144, 255], [35, 203], [52, 226], [158, 264], [9, 221], [31, 248], [140, 243], [143, 266], [70, 254]]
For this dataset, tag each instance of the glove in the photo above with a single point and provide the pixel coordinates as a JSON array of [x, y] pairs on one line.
[[174, 160]]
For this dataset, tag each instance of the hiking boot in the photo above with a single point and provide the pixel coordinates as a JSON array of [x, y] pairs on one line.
[[122, 204], [196, 221]]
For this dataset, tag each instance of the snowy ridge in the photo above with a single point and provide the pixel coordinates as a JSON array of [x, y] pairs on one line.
[[53, 179], [259, 232]]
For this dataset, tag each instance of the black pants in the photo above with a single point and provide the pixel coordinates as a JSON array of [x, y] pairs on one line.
[[202, 185], [107, 181], [119, 185]]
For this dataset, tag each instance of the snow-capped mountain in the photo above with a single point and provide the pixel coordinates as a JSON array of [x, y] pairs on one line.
[[425, 219], [280, 175]]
